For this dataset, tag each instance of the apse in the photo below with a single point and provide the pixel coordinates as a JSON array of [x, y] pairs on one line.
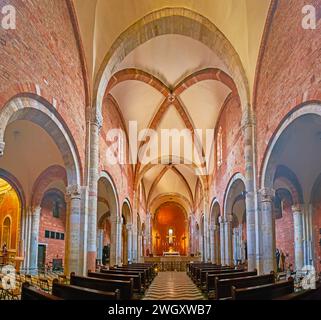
[[170, 230], [9, 217]]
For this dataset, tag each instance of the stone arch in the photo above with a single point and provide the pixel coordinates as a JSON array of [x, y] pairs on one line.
[[51, 174], [37, 110], [215, 211], [126, 232], [115, 217], [14, 182], [268, 167], [172, 21], [228, 202], [300, 217]]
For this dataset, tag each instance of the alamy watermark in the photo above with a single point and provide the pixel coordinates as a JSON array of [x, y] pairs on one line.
[[164, 146], [8, 17], [309, 20], [8, 277]]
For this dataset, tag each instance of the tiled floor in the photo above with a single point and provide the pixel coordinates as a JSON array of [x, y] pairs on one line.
[[173, 286]]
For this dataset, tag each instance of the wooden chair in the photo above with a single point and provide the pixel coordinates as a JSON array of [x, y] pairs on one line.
[[43, 284]]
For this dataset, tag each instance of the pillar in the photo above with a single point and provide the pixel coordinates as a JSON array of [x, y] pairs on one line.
[[35, 220], [72, 251], [298, 236], [216, 230], [267, 229], [129, 242], [228, 240], [222, 240], [252, 223], [95, 125], [212, 243], [100, 244], [119, 240]]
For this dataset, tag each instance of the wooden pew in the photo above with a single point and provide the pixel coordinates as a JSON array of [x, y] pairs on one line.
[[223, 287], [125, 287], [137, 282], [29, 292], [308, 294], [71, 292], [118, 271], [204, 273], [198, 270], [147, 271], [264, 292], [210, 277]]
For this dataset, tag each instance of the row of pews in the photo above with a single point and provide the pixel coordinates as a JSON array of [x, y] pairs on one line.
[[116, 283], [229, 283]]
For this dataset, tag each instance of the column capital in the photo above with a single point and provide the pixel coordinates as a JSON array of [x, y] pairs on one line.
[[94, 116], [73, 191], [35, 210], [248, 118], [129, 226], [221, 219], [2, 144], [267, 194], [229, 217], [297, 208]]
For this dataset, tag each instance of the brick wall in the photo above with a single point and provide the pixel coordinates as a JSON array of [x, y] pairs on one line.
[[55, 248], [122, 174], [284, 233], [290, 71], [43, 52], [317, 235], [233, 148]]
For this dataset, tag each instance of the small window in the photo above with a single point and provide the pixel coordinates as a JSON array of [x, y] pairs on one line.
[[62, 236], [57, 235], [56, 209], [47, 233], [52, 234], [219, 148]]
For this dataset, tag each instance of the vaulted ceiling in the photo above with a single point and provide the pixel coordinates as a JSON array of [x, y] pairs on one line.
[[171, 81]]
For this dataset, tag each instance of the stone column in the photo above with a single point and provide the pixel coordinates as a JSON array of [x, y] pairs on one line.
[[298, 236], [95, 125], [100, 244], [212, 243], [228, 240], [222, 239], [72, 260], [267, 229], [148, 233], [217, 258], [248, 126], [35, 219], [119, 241], [130, 242]]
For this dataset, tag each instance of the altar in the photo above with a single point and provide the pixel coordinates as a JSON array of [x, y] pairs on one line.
[[172, 262], [171, 253]]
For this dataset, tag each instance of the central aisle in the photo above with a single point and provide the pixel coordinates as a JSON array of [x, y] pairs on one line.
[[173, 286]]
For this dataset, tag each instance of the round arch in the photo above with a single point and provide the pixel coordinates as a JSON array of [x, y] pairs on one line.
[[269, 165], [180, 21], [228, 202], [37, 110]]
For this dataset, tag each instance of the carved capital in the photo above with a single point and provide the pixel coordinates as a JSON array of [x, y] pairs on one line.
[[267, 194], [73, 191], [129, 226], [95, 117], [2, 144], [297, 208], [229, 217]]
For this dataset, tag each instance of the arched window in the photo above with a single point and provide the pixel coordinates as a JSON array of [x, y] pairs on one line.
[[6, 232], [219, 147]]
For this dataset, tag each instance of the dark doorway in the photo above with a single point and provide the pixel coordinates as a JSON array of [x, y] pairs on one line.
[[41, 256]]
